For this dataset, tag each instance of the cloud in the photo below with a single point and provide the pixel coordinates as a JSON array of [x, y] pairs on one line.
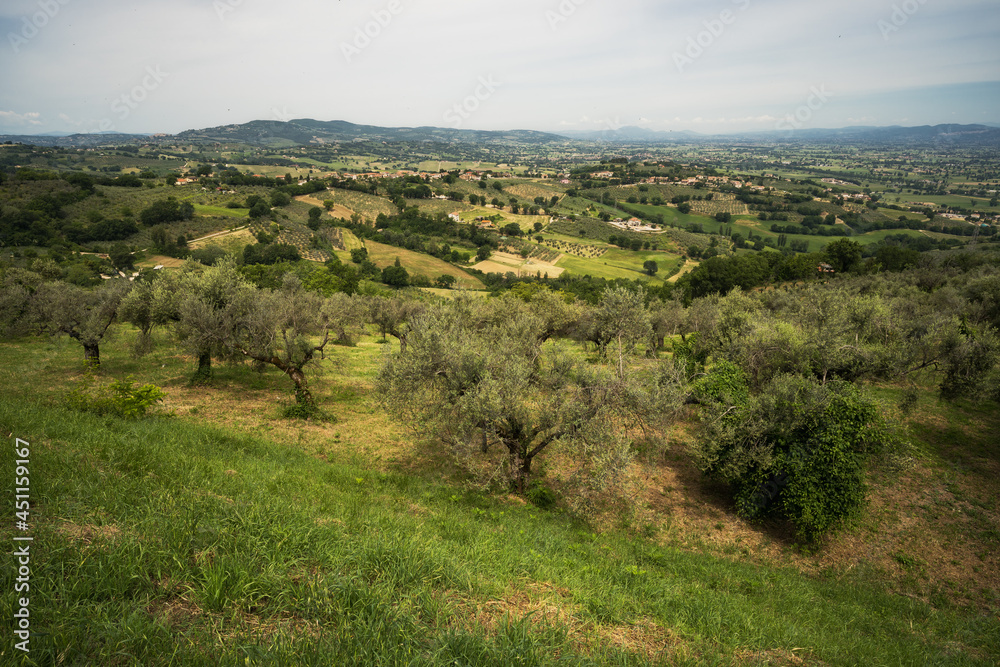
[[12, 118], [604, 62]]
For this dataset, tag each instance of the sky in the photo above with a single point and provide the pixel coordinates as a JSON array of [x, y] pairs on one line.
[[709, 66]]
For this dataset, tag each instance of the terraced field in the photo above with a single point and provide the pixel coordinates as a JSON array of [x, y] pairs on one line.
[[525, 222], [433, 206], [575, 249], [528, 191], [296, 234]]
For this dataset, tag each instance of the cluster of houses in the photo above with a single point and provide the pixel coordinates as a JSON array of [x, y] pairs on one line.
[[634, 225], [856, 196], [480, 221], [836, 181], [131, 277]]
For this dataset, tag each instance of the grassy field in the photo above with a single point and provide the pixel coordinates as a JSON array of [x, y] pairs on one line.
[[218, 533], [671, 216], [419, 264], [962, 201], [233, 241], [202, 209], [617, 263]]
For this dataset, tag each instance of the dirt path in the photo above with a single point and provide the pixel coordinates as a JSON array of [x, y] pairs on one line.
[[688, 267]]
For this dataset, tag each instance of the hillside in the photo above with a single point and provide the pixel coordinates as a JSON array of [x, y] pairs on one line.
[[307, 131], [216, 532]]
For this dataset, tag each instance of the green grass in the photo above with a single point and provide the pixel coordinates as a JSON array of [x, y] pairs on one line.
[[167, 541], [963, 201], [617, 263], [202, 209], [671, 216]]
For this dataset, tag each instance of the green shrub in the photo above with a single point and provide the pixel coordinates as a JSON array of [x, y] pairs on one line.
[[798, 450], [120, 398], [540, 495]]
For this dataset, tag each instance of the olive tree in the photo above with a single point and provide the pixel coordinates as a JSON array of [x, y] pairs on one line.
[[392, 317], [85, 315], [666, 318], [288, 328], [475, 381], [205, 305], [15, 301], [151, 303], [621, 319]]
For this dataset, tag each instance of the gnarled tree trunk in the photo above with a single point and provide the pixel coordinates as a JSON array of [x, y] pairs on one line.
[[204, 372], [302, 394], [92, 355]]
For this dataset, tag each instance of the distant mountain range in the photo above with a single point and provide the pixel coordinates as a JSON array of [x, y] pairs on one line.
[[631, 133], [937, 134], [305, 131]]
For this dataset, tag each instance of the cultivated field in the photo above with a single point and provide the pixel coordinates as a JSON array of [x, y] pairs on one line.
[[504, 262], [419, 264]]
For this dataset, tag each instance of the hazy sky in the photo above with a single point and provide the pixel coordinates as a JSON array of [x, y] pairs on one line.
[[708, 66]]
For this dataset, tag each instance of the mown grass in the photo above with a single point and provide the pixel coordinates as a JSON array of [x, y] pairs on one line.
[[202, 209], [618, 263], [170, 541]]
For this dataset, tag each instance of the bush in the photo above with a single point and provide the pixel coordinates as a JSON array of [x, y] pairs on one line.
[[798, 450], [119, 398], [166, 211]]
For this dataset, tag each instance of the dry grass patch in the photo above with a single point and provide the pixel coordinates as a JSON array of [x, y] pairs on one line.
[[87, 533], [337, 211], [228, 240], [542, 604], [688, 267], [503, 262], [175, 613]]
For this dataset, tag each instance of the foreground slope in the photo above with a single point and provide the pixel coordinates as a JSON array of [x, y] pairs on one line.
[[209, 537]]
